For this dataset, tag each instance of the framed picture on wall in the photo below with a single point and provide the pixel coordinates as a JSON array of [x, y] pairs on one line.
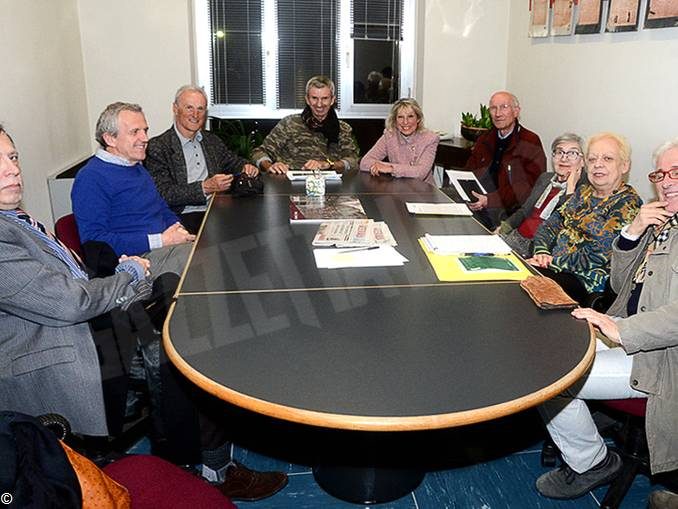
[[539, 17], [561, 19], [589, 16], [623, 16], [661, 13]]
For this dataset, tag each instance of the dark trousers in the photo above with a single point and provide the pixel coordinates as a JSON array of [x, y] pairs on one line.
[[185, 420]]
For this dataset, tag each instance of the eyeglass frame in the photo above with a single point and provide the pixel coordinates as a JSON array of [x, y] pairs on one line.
[[570, 155], [663, 173], [502, 107]]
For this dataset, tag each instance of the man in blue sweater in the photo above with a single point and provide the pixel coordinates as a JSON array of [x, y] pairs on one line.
[[115, 200]]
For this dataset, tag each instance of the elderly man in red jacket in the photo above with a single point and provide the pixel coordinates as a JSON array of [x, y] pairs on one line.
[[507, 160]]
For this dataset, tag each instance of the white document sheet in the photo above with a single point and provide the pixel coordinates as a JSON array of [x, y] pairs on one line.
[[460, 244], [440, 209], [383, 256]]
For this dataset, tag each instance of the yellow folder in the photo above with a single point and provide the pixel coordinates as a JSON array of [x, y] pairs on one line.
[[449, 268]]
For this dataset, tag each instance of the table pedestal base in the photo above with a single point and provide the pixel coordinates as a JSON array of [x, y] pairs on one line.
[[367, 485]]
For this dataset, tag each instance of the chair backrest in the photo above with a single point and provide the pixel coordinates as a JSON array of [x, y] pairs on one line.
[[67, 230], [633, 406]]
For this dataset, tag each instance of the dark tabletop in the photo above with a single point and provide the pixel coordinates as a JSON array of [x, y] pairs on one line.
[[257, 324]]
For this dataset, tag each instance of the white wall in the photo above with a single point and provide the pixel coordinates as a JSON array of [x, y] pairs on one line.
[[65, 61], [136, 51], [43, 89], [464, 58], [625, 82]]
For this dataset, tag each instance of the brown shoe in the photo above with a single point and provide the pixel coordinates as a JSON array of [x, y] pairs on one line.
[[241, 483]]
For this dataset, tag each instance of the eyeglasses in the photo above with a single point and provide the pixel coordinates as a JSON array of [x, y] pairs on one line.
[[659, 175], [502, 107], [593, 159], [191, 109], [570, 155]]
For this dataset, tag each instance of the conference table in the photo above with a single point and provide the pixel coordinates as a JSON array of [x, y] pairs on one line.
[[379, 349]]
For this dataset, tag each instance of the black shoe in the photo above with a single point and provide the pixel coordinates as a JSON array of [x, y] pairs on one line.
[[565, 483]]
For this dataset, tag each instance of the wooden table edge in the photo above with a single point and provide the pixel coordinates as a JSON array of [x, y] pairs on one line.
[[375, 423]]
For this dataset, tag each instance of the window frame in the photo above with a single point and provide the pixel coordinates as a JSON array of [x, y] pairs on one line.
[[347, 108]]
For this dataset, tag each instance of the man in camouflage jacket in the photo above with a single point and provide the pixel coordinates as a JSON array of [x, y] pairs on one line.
[[314, 139]]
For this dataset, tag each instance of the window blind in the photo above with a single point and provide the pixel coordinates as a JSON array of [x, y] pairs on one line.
[[377, 19], [307, 46], [236, 58]]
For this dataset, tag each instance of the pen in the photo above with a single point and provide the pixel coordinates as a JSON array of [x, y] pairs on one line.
[[350, 250], [478, 254]]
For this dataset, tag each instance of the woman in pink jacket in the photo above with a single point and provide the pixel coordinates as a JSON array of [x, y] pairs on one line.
[[409, 148]]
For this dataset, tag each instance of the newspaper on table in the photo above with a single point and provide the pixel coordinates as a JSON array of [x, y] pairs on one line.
[[354, 233]]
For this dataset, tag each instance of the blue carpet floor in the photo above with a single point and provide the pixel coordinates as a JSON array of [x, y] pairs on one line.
[[487, 466]]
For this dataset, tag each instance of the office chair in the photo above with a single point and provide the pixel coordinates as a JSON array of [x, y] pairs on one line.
[[67, 231]]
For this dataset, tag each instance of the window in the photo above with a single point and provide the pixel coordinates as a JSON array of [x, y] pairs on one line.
[[255, 56], [376, 30]]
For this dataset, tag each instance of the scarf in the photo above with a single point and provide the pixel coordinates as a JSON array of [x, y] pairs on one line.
[[550, 206], [659, 236], [329, 127]]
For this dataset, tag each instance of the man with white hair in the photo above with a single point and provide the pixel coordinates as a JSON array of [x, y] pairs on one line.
[[189, 163], [507, 160]]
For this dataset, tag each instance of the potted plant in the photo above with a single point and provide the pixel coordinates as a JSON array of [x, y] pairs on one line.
[[472, 127], [237, 139]]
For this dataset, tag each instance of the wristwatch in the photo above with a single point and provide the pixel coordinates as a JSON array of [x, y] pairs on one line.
[[330, 162]]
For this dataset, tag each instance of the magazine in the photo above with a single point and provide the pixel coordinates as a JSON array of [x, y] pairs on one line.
[[316, 209]]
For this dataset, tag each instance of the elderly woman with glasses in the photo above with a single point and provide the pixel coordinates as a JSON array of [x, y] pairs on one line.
[[643, 325], [574, 245], [408, 146], [549, 192]]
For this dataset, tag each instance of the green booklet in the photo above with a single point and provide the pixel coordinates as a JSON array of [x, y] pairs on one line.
[[476, 263]]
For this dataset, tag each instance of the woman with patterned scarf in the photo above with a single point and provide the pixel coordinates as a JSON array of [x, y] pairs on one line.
[[574, 245]]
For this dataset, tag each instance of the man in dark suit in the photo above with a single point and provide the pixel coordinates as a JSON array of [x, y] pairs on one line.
[[188, 163]]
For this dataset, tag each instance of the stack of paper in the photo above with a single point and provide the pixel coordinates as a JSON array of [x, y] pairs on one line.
[[354, 233], [441, 209], [466, 244], [378, 256]]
